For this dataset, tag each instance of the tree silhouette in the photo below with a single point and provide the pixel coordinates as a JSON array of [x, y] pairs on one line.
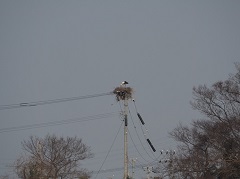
[[52, 157], [210, 147]]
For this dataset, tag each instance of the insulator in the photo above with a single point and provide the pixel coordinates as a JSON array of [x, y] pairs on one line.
[[140, 117], [149, 142], [126, 121]]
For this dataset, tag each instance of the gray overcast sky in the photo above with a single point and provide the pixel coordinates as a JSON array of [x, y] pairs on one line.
[[57, 49]]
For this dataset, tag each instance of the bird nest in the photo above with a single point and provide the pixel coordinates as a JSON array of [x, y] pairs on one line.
[[123, 93]]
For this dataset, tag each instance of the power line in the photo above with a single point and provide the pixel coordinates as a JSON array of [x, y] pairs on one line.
[[138, 137], [109, 170], [136, 146], [135, 128], [54, 123], [52, 101], [138, 166], [109, 150], [142, 122]]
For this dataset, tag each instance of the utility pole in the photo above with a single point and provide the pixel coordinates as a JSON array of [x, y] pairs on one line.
[[125, 138], [133, 168], [124, 93]]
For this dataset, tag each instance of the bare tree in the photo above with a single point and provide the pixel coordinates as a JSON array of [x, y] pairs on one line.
[[210, 147], [52, 157], [196, 158]]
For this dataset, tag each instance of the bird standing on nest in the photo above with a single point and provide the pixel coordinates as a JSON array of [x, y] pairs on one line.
[[124, 83]]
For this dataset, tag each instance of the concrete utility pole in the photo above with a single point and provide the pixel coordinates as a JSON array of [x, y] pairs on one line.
[[124, 93], [133, 167], [125, 139]]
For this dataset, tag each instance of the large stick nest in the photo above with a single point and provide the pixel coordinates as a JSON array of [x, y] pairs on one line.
[[123, 93]]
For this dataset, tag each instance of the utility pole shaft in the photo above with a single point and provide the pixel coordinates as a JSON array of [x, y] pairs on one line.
[[133, 168], [124, 93], [125, 138]]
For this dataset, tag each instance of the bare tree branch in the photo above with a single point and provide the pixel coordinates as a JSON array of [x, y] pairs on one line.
[[210, 148], [52, 157]]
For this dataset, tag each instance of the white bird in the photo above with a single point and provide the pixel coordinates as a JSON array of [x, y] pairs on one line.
[[124, 83]]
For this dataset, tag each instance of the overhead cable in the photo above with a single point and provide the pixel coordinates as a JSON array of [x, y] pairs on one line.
[[138, 166], [52, 101], [109, 150], [54, 123], [143, 124], [136, 146], [135, 128], [113, 170]]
